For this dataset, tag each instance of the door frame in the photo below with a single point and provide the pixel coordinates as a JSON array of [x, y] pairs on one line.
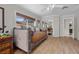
[[71, 17]]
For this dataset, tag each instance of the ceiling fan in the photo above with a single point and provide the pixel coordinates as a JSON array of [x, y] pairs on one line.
[[50, 7]]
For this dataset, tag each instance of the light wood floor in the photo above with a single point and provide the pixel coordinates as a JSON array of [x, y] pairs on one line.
[[63, 45]]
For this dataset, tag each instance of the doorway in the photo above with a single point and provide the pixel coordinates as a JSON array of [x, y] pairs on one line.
[[69, 27]]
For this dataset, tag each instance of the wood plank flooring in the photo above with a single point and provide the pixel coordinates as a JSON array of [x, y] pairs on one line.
[[63, 45]]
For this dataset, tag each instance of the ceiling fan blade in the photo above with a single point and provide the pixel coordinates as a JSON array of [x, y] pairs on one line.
[[59, 6], [64, 7]]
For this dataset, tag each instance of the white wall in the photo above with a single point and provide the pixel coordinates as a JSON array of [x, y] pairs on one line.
[[77, 32], [10, 15], [75, 27], [76, 24], [56, 26], [61, 26]]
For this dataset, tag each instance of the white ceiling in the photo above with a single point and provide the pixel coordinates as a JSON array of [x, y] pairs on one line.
[[40, 9]]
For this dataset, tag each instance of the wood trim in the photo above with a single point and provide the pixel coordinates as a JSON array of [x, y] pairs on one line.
[[19, 14]]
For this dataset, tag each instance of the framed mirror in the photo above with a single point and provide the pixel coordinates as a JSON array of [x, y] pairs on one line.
[[2, 20]]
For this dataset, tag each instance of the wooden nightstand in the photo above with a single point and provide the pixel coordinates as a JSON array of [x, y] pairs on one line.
[[6, 45]]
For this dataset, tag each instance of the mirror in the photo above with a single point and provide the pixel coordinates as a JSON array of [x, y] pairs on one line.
[[2, 20]]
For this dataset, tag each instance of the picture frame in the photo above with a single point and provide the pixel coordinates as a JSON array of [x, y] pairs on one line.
[[2, 25]]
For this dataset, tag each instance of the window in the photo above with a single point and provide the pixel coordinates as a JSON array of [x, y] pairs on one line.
[[23, 20]]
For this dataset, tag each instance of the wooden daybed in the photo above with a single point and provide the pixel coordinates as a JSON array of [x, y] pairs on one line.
[[27, 40]]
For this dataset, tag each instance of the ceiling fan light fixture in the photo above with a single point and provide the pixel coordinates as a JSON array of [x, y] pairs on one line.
[[52, 6]]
